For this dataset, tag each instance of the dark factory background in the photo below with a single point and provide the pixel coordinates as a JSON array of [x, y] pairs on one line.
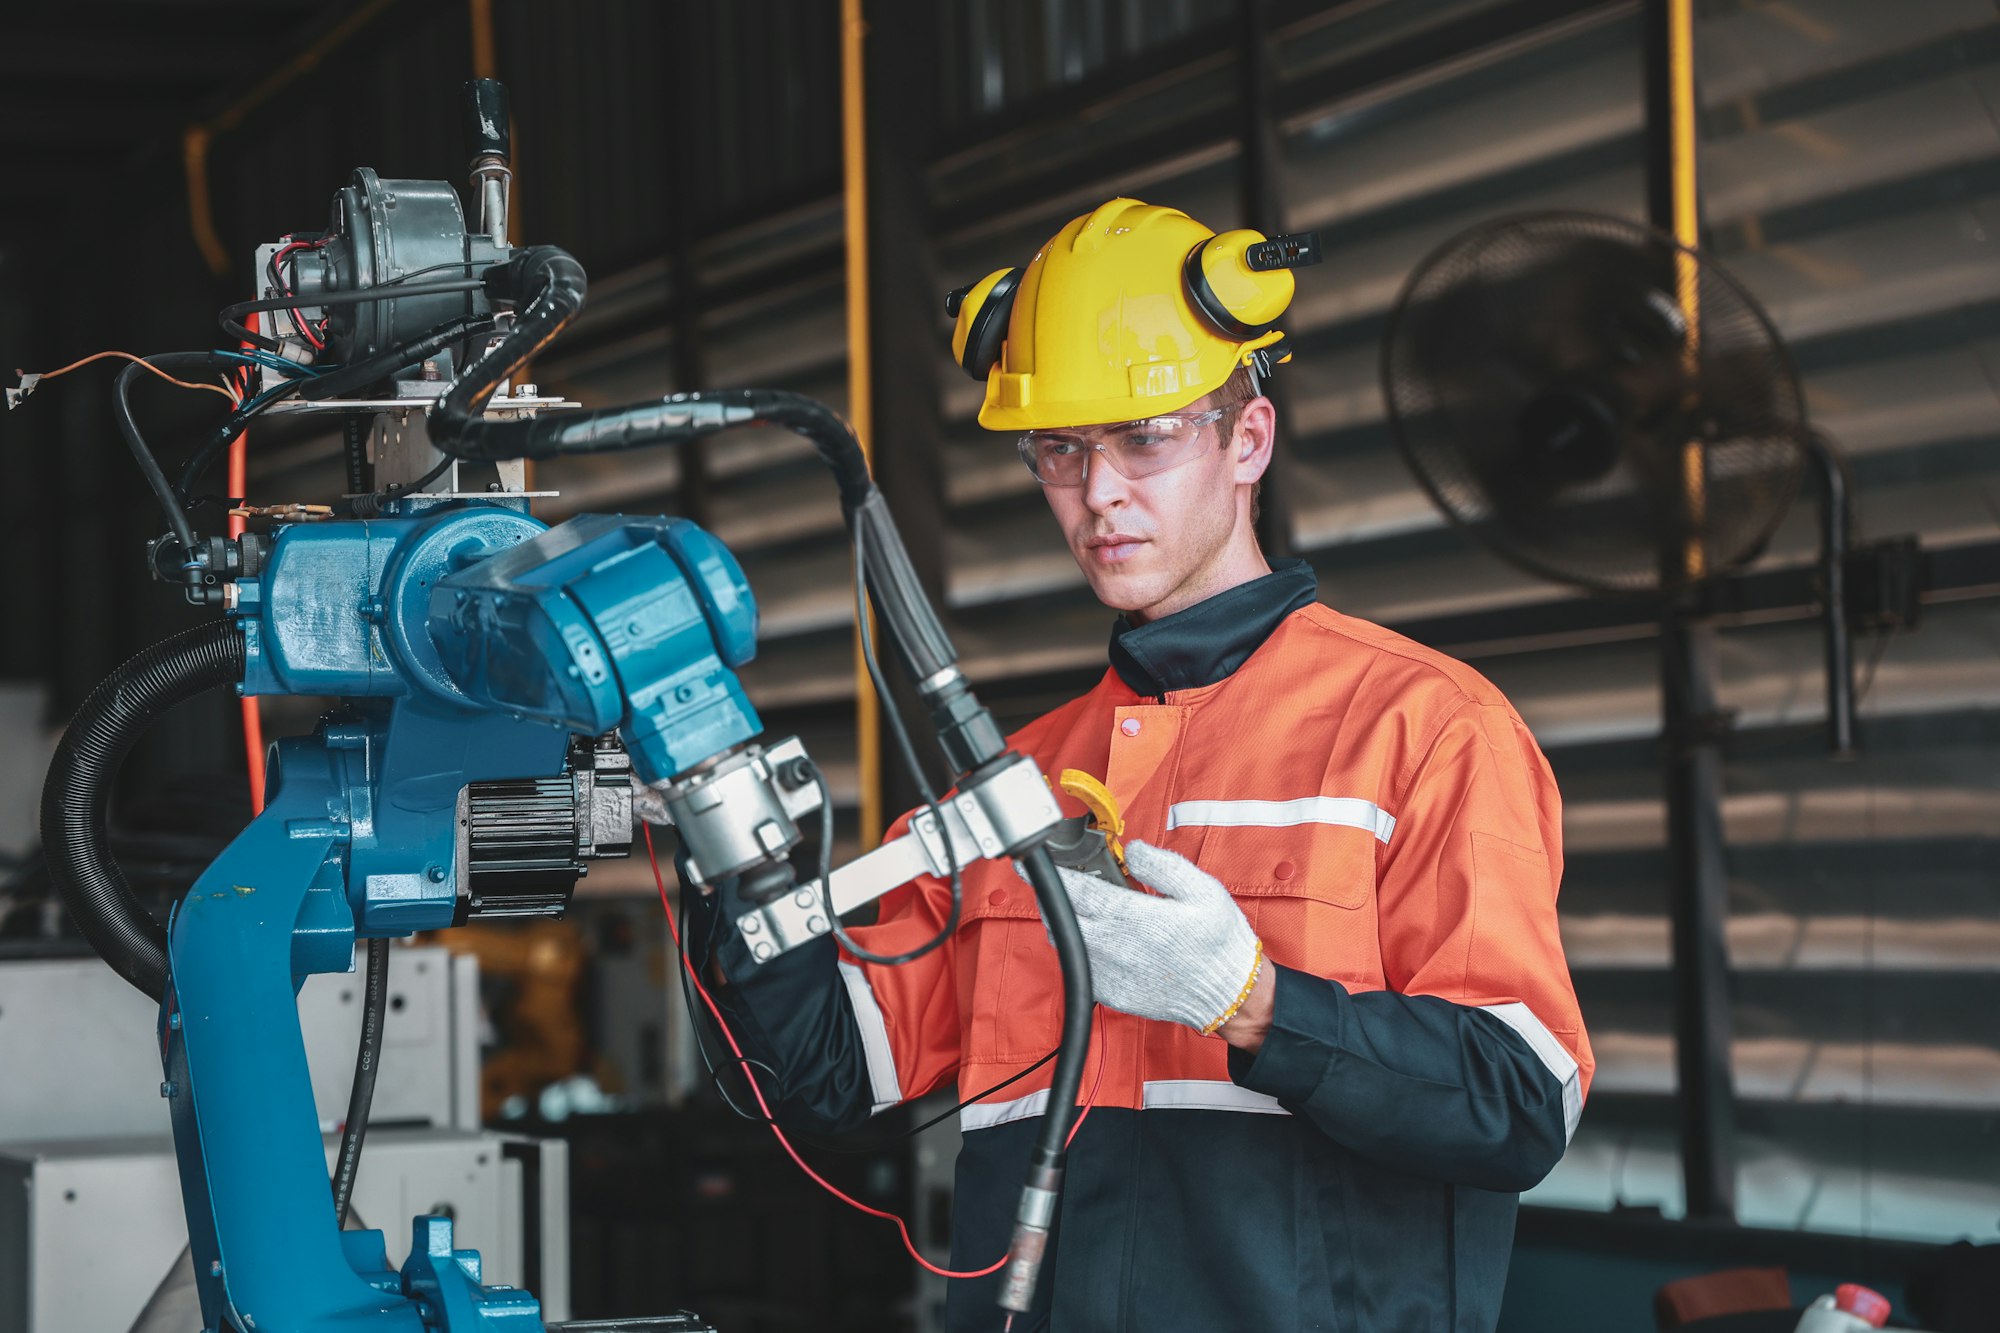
[[690, 155]]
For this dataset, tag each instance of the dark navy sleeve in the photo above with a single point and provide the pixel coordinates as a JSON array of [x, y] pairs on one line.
[[1413, 1082], [792, 1013]]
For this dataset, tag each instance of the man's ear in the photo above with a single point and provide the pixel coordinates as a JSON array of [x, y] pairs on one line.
[[1256, 430]]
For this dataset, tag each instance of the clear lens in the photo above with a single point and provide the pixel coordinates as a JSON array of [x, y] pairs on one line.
[[1136, 448]]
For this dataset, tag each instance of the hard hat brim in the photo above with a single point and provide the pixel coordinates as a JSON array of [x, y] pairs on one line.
[[997, 417]]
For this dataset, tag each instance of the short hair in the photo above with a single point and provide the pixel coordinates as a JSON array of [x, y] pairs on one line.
[[1240, 388]]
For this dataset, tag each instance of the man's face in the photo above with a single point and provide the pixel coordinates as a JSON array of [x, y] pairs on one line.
[[1155, 545]]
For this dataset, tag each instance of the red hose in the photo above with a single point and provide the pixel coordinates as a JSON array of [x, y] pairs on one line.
[[253, 716]]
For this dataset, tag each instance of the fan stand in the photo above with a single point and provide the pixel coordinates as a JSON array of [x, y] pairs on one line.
[[1695, 729], [1835, 537]]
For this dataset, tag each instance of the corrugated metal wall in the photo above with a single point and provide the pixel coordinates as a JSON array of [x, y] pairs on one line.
[[1852, 173]]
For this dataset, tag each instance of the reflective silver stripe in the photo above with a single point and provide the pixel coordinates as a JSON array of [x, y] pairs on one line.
[[1207, 1094], [1347, 811], [882, 1081], [1180, 1094], [1553, 1054], [985, 1115]]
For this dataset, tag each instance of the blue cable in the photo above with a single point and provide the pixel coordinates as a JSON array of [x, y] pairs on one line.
[[270, 361]]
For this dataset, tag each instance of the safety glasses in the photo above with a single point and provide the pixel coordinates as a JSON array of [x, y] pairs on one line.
[[1135, 448]]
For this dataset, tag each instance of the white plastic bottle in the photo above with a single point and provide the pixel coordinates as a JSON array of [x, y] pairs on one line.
[[1850, 1309]]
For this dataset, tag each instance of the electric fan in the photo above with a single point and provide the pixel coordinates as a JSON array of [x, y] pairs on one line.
[[1593, 401], [1605, 407]]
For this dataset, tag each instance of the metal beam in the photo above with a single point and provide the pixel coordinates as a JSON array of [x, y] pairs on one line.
[[905, 312], [686, 88], [1429, 49], [1262, 207], [1694, 726]]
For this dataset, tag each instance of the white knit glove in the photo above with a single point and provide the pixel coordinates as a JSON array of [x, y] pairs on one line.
[[1186, 956]]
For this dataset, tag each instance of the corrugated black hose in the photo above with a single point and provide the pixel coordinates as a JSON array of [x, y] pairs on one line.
[[76, 799]]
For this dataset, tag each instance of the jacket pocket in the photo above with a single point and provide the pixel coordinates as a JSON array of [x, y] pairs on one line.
[[1304, 888], [1010, 988]]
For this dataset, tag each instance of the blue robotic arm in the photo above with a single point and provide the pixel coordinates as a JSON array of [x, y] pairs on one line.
[[480, 662], [470, 646], [477, 648]]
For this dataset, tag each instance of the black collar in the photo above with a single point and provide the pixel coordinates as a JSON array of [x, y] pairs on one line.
[[1209, 640]]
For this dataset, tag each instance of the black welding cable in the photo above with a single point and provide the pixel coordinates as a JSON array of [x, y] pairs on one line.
[[547, 286], [367, 1063], [76, 798], [907, 750], [1035, 1215]]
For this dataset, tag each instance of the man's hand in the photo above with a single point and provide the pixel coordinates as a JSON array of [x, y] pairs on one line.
[[1187, 956]]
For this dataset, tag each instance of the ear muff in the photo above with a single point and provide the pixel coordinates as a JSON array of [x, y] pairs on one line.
[[981, 312], [1240, 281]]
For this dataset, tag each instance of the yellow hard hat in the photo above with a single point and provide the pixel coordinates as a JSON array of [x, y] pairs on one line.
[[1130, 311]]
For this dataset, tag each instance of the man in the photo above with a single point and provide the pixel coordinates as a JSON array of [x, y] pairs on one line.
[[1338, 1035]]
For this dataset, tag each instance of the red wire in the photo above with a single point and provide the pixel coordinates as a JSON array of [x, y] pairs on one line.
[[764, 1106], [304, 326]]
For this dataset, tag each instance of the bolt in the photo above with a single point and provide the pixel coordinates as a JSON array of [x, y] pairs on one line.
[[435, 873], [215, 1268], [683, 694], [168, 1089], [528, 391], [174, 1022], [431, 371]]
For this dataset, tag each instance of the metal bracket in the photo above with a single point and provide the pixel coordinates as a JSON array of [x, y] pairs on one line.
[[1001, 813]]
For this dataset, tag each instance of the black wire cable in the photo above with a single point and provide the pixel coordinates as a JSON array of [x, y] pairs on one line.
[[438, 469], [908, 752], [231, 317], [222, 436], [359, 375], [698, 1023], [695, 1026], [370, 504], [128, 426], [367, 1063]]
